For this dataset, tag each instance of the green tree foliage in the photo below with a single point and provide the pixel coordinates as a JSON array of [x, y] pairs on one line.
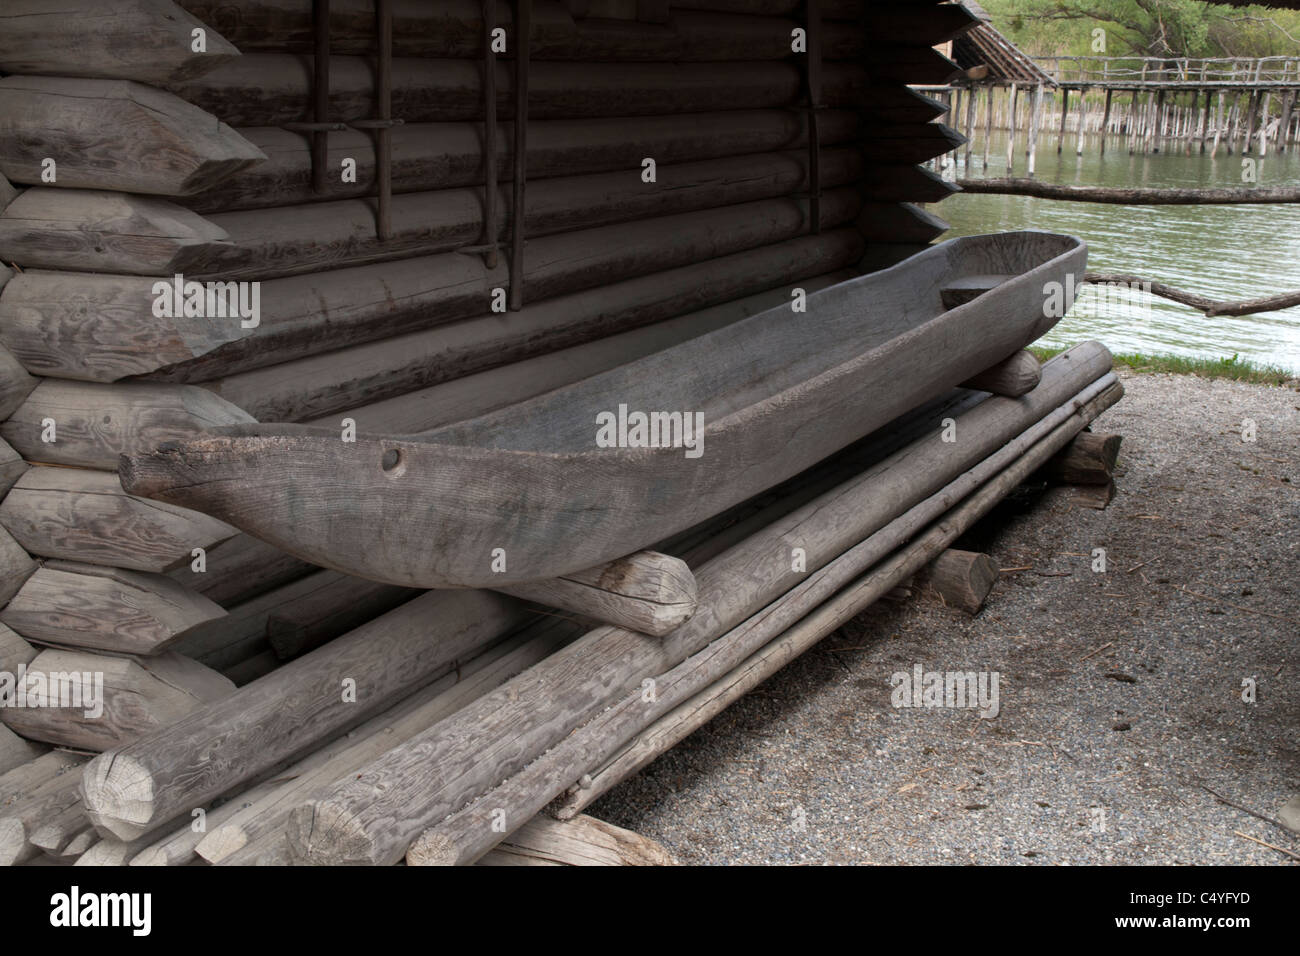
[[1164, 28]]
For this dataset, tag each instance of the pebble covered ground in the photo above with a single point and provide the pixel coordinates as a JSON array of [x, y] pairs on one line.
[[1120, 693]]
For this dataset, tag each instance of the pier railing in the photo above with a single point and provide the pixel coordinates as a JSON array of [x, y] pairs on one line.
[[1138, 72]]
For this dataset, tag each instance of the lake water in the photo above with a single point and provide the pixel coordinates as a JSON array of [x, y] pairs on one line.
[[1223, 252]]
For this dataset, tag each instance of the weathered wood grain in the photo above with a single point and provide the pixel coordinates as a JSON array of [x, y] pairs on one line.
[[15, 382], [580, 841], [373, 816], [95, 424], [98, 328], [433, 511], [114, 700], [266, 807], [265, 244], [431, 156], [140, 787], [11, 466], [371, 302], [1011, 377], [146, 40], [332, 605], [16, 565], [106, 609], [960, 579], [114, 134], [25, 815], [270, 89], [7, 195], [646, 591], [85, 516], [238, 570], [14, 650], [468, 396], [14, 750], [406, 366], [101, 231], [1088, 460]]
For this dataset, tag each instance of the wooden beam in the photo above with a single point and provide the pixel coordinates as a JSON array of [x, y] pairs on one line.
[[113, 134], [11, 466], [1088, 460], [150, 41], [106, 609], [85, 516], [15, 751], [14, 651], [95, 424], [332, 605], [116, 699], [16, 566], [899, 222], [15, 382]]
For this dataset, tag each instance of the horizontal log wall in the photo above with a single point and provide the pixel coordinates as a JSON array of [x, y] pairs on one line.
[[127, 157]]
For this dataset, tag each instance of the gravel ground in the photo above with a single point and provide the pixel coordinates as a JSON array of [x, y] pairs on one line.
[[1120, 692]]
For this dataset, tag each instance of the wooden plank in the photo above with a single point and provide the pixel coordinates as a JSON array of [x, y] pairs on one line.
[[150, 41], [102, 231], [904, 184], [270, 89], [375, 815], [7, 195], [114, 700], [377, 301], [935, 23], [428, 156], [106, 609], [114, 134], [581, 841], [647, 591], [394, 369], [85, 516], [290, 710], [15, 382], [95, 424], [709, 36], [95, 328], [16, 565], [11, 466], [921, 65]]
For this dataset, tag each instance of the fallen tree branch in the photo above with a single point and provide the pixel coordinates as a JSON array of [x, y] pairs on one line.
[[1283, 300], [1133, 196]]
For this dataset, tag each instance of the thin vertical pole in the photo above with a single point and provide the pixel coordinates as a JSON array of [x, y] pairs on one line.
[[523, 40], [1078, 142], [970, 123], [1033, 126], [490, 228], [988, 122], [1218, 127], [384, 151], [1105, 121], [1065, 109], [1011, 128], [320, 92]]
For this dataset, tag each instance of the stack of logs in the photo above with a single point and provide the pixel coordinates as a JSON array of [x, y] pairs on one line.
[[252, 706]]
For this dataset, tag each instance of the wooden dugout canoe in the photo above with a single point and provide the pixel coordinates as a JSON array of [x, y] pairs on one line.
[[528, 488]]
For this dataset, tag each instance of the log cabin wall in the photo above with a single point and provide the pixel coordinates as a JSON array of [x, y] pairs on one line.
[[670, 188]]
